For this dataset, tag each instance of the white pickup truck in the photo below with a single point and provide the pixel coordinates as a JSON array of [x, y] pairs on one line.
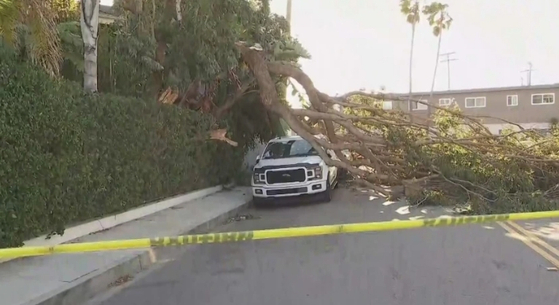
[[290, 166]]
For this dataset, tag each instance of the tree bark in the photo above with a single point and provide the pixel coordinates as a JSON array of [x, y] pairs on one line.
[[178, 10], [172, 10], [90, 30]]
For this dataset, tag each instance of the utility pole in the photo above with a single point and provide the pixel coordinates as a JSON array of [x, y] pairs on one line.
[[288, 14], [448, 60], [529, 71]]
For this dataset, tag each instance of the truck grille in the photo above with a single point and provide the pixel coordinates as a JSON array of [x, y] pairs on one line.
[[285, 176], [298, 190]]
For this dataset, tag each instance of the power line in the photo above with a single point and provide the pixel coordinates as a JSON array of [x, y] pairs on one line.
[[448, 60], [529, 72]]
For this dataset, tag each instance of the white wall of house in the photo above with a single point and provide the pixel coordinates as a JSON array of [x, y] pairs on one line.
[[496, 128]]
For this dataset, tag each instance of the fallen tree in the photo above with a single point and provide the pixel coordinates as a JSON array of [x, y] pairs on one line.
[[451, 159]]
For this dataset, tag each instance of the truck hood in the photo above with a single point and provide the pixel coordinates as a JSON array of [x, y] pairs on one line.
[[288, 161]]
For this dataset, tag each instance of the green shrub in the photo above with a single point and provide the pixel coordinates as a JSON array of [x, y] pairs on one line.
[[67, 157]]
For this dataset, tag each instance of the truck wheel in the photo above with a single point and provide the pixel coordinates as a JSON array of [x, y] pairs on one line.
[[327, 195], [257, 202]]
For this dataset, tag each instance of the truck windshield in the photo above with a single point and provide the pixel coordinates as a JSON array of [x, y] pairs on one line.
[[289, 149]]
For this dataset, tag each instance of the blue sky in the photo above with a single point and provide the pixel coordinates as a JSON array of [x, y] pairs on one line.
[[365, 44]]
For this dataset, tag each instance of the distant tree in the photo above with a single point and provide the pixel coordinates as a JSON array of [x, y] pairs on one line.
[[66, 10], [439, 20], [412, 12]]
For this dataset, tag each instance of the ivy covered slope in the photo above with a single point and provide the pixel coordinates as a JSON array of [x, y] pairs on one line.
[[168, 77], [66, 157]]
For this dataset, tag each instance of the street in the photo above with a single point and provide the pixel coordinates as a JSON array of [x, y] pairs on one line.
[[450, 265]]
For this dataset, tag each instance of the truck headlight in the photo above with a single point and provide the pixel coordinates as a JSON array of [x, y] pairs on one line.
[[256, 178], [318, 172]]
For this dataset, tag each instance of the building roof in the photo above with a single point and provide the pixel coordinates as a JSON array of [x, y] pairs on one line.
[[107, 9], [479, 90]]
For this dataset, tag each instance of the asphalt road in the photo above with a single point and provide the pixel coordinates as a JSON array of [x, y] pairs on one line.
[[453, 265]]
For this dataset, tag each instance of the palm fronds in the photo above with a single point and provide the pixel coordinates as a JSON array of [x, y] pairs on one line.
[[39, 19]]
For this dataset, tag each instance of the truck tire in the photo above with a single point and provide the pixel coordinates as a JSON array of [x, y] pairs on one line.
[[327, 194], [258, 202]]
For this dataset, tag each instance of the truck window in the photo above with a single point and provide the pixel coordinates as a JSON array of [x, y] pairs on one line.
[[289, 149]]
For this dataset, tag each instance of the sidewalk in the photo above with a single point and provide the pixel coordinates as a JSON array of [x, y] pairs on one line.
[[74, 278]]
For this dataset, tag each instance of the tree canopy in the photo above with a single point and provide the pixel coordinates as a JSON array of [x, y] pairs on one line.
[[187, 57]]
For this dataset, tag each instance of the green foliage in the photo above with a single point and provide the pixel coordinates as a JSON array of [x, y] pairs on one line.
[[197, 49], [9, 17], [436, 13], [72, 47], [411, 10], [492, 175], [438, 17], [290, 50], [35, 22], [66, 10], [514, 172], [67, 157]]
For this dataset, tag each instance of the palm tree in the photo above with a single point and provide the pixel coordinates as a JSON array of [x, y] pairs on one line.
[[411, 10], [439, 20], [29, 26]]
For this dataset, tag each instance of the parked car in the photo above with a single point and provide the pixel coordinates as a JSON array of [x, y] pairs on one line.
[[290, 166]]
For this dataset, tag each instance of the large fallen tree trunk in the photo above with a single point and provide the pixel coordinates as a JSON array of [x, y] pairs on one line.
[[456, 159]]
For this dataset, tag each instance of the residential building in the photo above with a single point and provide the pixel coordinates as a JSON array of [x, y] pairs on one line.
[[532, 107], [106, 14]]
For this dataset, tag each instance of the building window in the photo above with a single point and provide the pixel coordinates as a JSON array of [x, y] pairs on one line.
[[419, 106], [543, 99], [386, 105], [512, 100], [475, 102], [445, 102]]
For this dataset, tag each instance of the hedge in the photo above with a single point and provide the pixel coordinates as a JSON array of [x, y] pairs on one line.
[[67, 157]]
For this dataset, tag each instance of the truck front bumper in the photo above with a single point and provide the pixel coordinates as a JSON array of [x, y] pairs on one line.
[[288, 189]]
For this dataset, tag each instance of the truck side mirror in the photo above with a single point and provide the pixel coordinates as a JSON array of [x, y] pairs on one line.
[[257, 159]]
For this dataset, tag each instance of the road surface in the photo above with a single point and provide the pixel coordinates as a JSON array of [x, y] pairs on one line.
[[453, 265]]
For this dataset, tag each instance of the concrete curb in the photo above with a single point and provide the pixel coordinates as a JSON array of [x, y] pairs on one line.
[[117, 219], [100, 281], [94, 283]]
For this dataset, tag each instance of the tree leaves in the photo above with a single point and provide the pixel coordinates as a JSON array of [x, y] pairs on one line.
[[42, 42], [436, 13], [411, 10], [72, 43], [200, 47], [438, 17]]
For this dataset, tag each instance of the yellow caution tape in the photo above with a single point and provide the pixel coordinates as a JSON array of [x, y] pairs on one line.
[[268, 234]]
